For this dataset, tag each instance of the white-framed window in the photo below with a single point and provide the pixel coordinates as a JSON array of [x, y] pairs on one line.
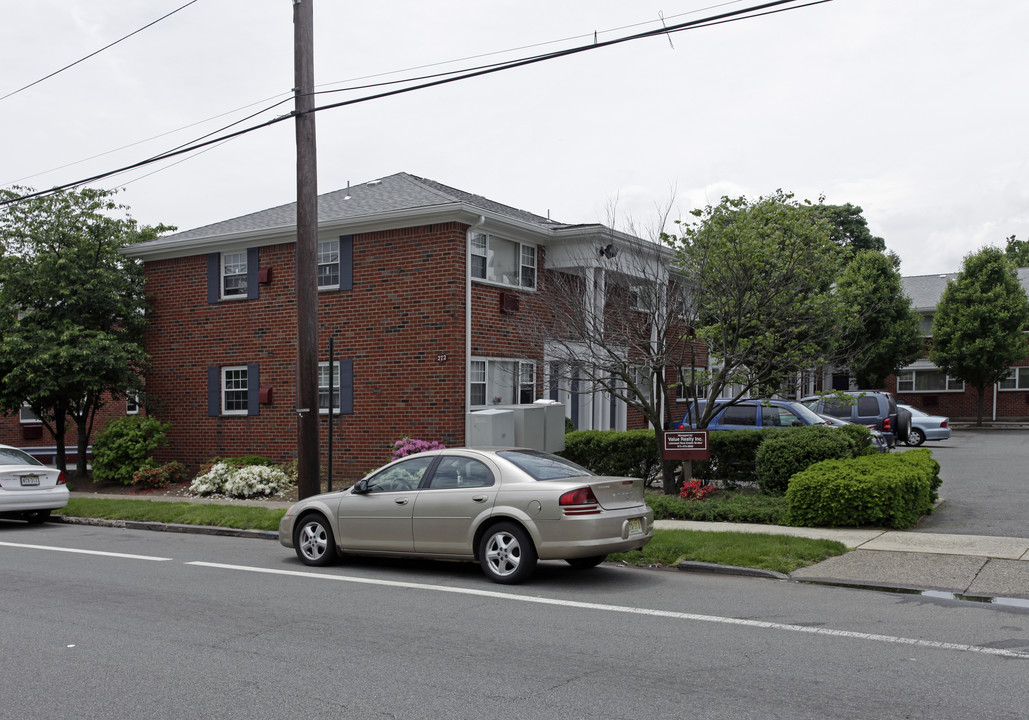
[[502, 261], [26, 416], [234, 274], [927, 381], [234, 390], [328, 264], [1016, 379], [641, 377], [132, 405], [501, 382], [323, 387], [683, 387]]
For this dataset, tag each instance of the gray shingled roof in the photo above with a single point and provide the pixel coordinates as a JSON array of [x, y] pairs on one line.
[[401, 191], [925, 291]]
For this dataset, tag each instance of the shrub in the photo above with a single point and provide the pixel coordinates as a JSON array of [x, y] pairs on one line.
[[569, 425], [152, 476], [630, 453], [732, 456], [124, 446], [787, 452], [885, 490], [861, 436], [226, 479], [735, 507], [407, 446], [696, 490]]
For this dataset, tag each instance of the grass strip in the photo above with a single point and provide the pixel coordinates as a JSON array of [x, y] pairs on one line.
[[243, 517], [781, 553]]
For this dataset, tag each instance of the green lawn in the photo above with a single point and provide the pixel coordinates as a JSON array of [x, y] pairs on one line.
[[669, 547]]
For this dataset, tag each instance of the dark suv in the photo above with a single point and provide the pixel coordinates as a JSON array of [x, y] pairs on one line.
[[876, 409]]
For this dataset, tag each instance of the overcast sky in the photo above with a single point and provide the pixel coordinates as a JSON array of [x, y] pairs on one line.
[[915, 110]]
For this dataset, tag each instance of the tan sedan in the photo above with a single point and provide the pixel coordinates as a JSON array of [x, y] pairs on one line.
[[503, 508]]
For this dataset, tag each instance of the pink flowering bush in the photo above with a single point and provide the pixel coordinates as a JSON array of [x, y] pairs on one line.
[[696, 490], [407, 446]]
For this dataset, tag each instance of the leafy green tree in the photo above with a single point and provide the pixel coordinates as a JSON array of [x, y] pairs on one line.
[[71, 308], [980, 322], [1017, 251], [882, 333], [848, 229], [763, 274]]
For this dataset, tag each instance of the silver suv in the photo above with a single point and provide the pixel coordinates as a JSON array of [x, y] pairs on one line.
[[876, 409]]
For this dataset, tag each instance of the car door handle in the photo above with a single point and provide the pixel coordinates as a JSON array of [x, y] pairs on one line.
[[480, 498], [401, 501]]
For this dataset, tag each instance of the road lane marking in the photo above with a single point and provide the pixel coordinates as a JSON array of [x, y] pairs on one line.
[[85, 552], [848, 634]]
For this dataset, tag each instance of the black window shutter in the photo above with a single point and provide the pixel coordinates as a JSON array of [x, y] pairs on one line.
[[214, 277], [346, 262], [346, 387], [253, 390], [214, 394], [253, 286]]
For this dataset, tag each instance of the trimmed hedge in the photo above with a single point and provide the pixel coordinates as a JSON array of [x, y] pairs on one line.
[[631, 453], [733, 455], [887, 490], [786, 453]]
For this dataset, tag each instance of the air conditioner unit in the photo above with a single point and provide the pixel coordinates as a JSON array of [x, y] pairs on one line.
[[509, 303]]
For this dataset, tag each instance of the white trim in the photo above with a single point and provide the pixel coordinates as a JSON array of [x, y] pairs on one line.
[[222, 389]]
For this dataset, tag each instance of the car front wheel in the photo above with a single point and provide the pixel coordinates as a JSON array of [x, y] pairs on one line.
[[915, 437], [313, 541], [506, 554]]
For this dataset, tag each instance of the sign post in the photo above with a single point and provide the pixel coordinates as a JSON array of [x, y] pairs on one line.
[[687, 446]]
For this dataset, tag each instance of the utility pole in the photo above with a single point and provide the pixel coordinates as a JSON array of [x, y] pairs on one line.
[[308, 419]]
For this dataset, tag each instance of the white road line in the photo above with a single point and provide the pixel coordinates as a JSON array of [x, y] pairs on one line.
[[929, 644], [85, 552]]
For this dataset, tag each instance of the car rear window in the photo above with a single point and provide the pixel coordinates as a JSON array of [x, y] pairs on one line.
[[544, 466], [11, 456]]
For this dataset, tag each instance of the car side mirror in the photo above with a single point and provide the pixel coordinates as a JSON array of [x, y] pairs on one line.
[[361, 487]]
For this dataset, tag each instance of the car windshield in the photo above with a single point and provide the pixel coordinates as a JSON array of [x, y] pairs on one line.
[[809, 415], [12, 456], [544, 466], [915, 411]]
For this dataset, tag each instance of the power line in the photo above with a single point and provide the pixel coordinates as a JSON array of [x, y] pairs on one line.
[[748, 13], [105, 47]]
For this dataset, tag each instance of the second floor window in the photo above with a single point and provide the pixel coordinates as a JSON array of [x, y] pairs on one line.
[[234, 274], [503, 261], [328, 264]]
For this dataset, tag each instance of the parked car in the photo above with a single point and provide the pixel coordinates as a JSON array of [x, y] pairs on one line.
[[29, 490], [878, 439], [504, 508], [926, 427], [754, 414], [875, 409]]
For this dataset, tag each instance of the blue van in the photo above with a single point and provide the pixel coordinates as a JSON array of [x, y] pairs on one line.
[[755, 414]]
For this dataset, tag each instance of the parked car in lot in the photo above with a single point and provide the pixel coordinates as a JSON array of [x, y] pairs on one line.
[[876, 409], [503, 508], [926, 427], [754, 414], [29, 490], [878, 439]]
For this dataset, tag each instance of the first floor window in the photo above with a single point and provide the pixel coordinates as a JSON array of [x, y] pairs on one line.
[[690, 384], [927, 381], [132, 405], [502, 382], [26, 416], [234, 390], [323, 387], [1017, 379]]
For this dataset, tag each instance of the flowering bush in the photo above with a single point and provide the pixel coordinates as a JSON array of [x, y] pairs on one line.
[[240, 482], [696, 490], [406, 446], [152, 476]]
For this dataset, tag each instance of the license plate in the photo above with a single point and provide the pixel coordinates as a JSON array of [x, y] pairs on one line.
[[635, 526], [30, 480]]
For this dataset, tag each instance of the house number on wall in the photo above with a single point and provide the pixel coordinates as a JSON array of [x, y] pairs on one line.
[[442, 357]]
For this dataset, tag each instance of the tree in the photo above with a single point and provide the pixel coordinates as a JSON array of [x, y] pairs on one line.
[[1017, 251], [882, 333], [71, 309], [762, 276], [980, 323], [848, 229]]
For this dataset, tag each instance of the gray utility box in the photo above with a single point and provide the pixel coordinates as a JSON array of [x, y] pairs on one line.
[[540, 426]]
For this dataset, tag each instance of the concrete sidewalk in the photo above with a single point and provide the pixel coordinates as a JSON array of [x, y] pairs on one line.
[[977, 566]]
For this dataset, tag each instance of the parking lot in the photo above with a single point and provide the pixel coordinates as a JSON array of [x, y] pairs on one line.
[[985, 478]]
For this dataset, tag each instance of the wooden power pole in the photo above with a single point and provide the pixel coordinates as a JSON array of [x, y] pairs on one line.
[[308, 451]]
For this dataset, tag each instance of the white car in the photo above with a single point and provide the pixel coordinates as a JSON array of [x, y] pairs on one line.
[[925, 426], [29, 490]]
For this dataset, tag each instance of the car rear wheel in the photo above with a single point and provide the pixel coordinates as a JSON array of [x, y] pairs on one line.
[[313, 541], [506, 554], [37, 516], [587, 562], [915, 437]]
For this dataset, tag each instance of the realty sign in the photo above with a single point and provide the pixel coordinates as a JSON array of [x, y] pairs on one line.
[[686, 445]]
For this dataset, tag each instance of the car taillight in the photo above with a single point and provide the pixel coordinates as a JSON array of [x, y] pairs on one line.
[[886, 424], [580, 502], [62, 479], [943, 424]]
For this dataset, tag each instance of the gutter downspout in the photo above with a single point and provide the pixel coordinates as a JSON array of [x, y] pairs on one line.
[[468, 320]]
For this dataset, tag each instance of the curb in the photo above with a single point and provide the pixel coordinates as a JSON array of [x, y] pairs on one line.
[[694, 566], [168, 527]]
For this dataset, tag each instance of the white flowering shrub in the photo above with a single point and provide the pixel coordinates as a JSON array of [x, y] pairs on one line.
[[241, 482]]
